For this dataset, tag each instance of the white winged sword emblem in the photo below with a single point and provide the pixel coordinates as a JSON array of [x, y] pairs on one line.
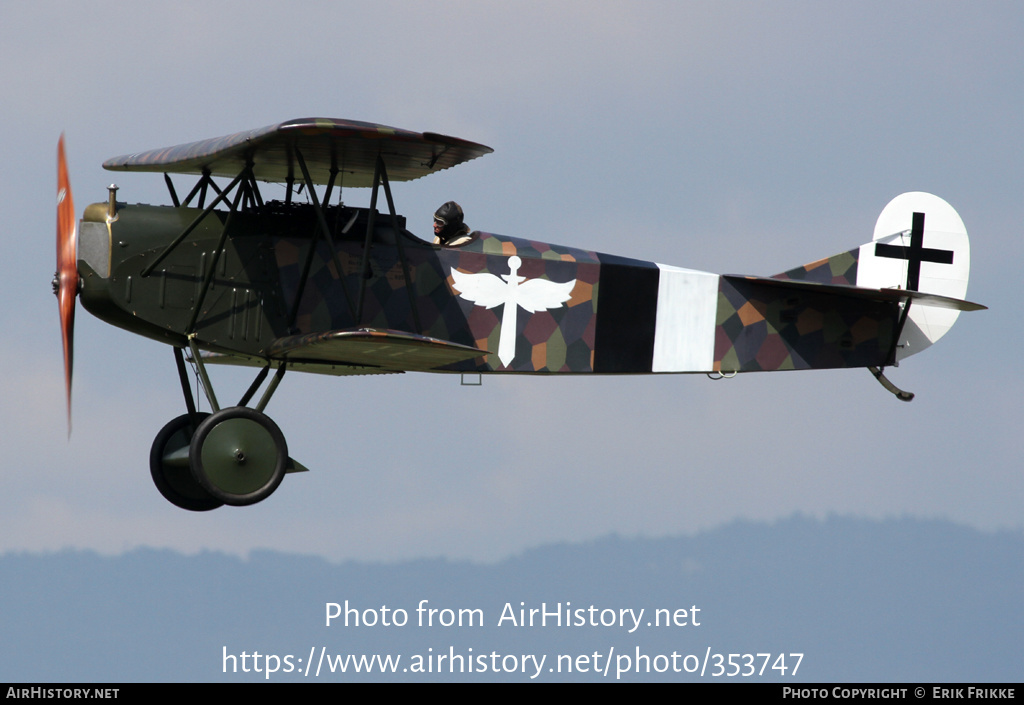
[[488, 290]]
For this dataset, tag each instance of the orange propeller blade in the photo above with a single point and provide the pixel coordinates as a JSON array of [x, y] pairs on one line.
[[66, 279]]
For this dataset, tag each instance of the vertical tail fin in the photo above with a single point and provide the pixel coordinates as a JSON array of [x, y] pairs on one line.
[[920, 243]]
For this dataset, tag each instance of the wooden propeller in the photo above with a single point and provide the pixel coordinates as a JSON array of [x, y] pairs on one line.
[[65, 281]]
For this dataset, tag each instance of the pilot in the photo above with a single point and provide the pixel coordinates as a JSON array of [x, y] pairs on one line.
[[449, 230]]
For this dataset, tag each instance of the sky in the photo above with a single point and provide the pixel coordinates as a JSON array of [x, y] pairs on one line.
[[731, 137]]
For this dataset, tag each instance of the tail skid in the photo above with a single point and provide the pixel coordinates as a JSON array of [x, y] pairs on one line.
[[890, 387]]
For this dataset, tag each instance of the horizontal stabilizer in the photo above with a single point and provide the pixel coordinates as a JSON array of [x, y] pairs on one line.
[[387, 350], [918, 297]]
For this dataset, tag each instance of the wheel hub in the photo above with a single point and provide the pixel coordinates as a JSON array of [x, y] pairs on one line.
[[238, 455]]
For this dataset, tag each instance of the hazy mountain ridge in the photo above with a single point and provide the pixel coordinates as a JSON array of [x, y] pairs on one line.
[[900, 599]]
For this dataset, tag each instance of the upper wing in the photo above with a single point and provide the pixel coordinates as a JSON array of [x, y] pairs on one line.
[[349, 146]]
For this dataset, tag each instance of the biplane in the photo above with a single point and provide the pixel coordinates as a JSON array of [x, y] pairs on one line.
[[224, 276]]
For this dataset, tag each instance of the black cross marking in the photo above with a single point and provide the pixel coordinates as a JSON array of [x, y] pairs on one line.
[[915, 254]]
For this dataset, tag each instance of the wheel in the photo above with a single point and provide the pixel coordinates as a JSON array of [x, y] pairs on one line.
[[172, 475], [238, 455]]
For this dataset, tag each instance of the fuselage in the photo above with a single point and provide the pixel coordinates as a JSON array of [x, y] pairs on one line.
[[536, 307]]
